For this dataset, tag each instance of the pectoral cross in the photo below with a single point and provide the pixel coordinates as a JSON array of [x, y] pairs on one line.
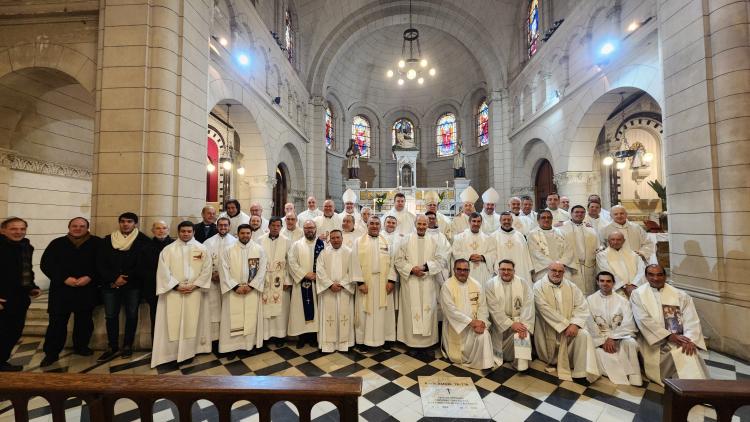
[[308, 301], [474, 245]]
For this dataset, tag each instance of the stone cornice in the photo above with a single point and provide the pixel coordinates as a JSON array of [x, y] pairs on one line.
[[574, 177], [15, 161]]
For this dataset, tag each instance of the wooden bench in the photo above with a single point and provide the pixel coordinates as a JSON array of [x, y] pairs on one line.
[[100, 392], [725, 396]]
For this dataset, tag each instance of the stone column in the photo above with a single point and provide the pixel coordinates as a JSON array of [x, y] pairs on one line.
[[501, 164], [576, 185], [150, 124], [316, 149], [258, 189], [4, 184], [705, 50]]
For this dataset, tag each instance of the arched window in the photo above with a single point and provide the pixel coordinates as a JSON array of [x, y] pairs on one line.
[[532, 27], [445, 135], [329, 127], [403, 132], [483, 124], [289, 35], [361, 134]]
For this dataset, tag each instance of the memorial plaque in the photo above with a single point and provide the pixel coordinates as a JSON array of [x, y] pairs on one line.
[[451, 397]]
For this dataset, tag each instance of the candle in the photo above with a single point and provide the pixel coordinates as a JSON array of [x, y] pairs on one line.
[[446, 184], [365, 184]]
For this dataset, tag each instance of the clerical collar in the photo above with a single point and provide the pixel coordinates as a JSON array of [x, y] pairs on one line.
[[603, 295], [546, 229], [374, 237], [577, 224], [273, 237], [507, 231], [516, 214]]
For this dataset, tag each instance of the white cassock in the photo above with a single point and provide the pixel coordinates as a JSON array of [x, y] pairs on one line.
[[459, 224], [242, 315], [531, 215], [559, 215], [635, 237], [508, 303], [336, 309], [522, 224], [182, 327], [463, 303], [611, 317], [469, 243], [512, 245], [293, 236], [605, 216], [405, 220], [596, 223], [585, 244], [358, 223], [308, 215], [558, 306], [301, 259], [394, 240], [216, 246], [375, 316], [625, 264], [274, 298], [418, 296], [546, 247], [327, 224], [236, 221], [255, 235], [350, 237], [659, 313], [444, 225], [490, 222]]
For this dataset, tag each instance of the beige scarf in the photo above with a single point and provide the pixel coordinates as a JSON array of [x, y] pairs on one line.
[[122, 242], [453, 338], [365, 254], [551, 337]]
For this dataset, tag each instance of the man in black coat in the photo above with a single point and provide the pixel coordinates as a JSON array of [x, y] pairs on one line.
[[207, 227], [17, 287], [147, 264], [117, 265], [70, 263]]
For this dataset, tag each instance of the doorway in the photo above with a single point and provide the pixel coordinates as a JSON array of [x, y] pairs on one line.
[[544, 184]]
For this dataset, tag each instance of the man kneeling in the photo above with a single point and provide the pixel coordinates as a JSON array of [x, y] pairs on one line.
[[466, 339], [613, 332]]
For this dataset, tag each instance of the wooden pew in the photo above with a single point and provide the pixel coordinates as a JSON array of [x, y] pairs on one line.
[[725, 396]]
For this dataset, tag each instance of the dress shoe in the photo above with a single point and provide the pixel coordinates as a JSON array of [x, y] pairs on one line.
[[48, 360], [300, 343], [85, 351], [7, 367], [109, 354], [127, 352]]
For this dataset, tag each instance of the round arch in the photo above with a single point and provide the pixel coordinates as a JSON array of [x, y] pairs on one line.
[[75, 64]]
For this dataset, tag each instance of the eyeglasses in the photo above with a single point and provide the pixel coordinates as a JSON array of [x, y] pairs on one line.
[[460, 269]]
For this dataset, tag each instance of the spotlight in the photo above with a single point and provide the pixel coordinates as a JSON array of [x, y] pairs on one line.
[[432, 72], [243, 59], [223, 41], [401, 63], [620, 165], [633, 26], [411, 74], [389, 73], [400, 81], [420, 81], [607, 161], [607, 49], [241, 171]]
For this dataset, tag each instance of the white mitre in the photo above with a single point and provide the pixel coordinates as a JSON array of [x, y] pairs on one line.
[[490, 196], [349, 196], [469, 195], [431, 197]]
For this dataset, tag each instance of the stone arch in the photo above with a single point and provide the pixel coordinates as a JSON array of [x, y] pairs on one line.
[[290, 156], [390, 119], [54, 56], [526, 163], [339, 121]]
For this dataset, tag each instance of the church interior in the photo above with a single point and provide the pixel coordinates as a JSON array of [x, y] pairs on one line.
[[162, 108]]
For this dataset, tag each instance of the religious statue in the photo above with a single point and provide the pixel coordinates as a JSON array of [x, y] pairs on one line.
[[459, 170], [352, 159], [404, 133]]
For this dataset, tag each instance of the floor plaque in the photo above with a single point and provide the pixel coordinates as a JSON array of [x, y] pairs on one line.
[[451, 397]]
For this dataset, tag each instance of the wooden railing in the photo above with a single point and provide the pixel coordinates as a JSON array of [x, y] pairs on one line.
[[725, 396], [101, 392]]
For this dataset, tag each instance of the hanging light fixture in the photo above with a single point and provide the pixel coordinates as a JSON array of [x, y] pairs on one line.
[[411, 67]]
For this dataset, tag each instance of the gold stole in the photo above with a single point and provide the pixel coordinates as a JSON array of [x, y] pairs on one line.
[[455, 343], [365, 255]]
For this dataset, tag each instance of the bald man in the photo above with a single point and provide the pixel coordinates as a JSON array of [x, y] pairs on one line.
[[311, 212], [328, 221], [635, 236]]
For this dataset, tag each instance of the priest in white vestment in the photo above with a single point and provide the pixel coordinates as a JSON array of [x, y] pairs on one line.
[[335, 296], [585, 245], [183, 279], [478, 248], [310, 213], [257, 209], [527, 209], [466, 335], [510, 301], [627, 266], [375, 276], [559, 215], [671, 334], [420, 260], [350, 208], [303, 308], [593, 217], [613, 331], [548, 244], [275, 296], [521, 222], [216, 246], [235, 214], [256, 227], [404, 217], [461, 221], [242, 284], [635, 236], [348, 230], [603, 213], [490, 217], [291, 230], [327, 222], [511, 244], [431, 201], [560, 335]]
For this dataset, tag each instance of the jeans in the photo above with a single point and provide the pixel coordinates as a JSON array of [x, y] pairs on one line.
[[113, 300]]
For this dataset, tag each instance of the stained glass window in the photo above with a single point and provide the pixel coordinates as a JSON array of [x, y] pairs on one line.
[[446, 135], [329, 128], [483, 124], [532, 28], [403, 132], [361, 134], [288, 35]]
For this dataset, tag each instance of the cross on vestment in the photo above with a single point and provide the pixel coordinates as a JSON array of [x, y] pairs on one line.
[[509, 243], [330, 320], [474, 245], [344, 320]]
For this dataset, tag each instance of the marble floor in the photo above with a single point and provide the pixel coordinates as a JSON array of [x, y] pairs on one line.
[[391, 391]]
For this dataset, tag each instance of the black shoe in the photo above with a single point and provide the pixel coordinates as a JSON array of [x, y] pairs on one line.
[[109, 354], [85, 351], [387, 347], [300, 343], [280, 343], [48, 360], [314, 344], [127, 352], [7, 367], [362, 349]]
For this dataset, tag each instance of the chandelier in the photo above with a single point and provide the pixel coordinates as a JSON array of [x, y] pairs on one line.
[[635, 152], [412, 67]]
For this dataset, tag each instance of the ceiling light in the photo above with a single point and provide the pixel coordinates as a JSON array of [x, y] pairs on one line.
[[607, 161], [432, 72], [401, 64], [411, 65], [241, 171], [420, 81], [223, 41], [411, 74], [400, 81], [243, 59], [633, 26], [607, 49], [389, 73], [423, 63]]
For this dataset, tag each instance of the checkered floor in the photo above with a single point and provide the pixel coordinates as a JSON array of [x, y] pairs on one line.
[[391, 391]]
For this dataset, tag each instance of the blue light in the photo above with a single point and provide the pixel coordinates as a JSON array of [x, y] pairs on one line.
[[243, 59], [607, 49]]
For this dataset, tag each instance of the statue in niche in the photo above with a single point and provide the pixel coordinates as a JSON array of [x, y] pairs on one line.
[[403, 132], [459, 160], [406, 176], [352, 159]]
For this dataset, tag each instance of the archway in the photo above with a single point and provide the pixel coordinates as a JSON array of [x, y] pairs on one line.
[[280, 189], [543, 183]]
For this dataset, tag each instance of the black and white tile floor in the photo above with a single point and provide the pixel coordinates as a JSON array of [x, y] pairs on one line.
[[391, 391]]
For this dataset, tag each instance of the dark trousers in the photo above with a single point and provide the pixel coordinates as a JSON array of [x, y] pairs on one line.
[[113, 300], [152, 302], [11, 328], [57, 331]]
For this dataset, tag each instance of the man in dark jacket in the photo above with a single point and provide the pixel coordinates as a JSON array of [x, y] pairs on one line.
[[70, 263], [117, 265], [207, 227], [147, 264], [16, 287]]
